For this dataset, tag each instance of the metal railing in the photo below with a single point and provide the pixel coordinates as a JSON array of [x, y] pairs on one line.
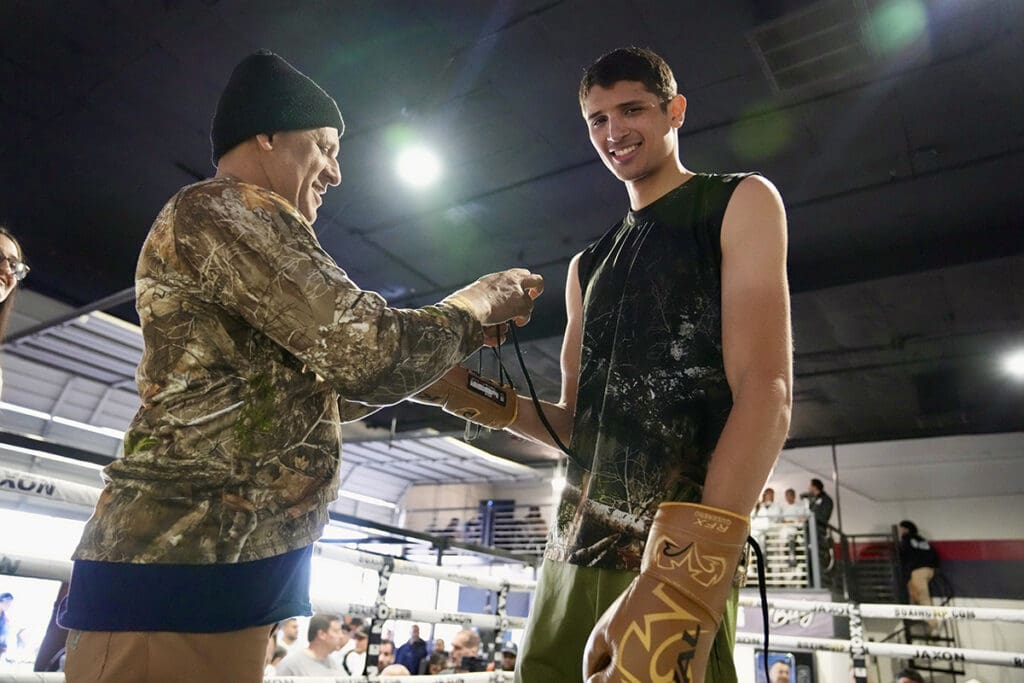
[[518, 529]]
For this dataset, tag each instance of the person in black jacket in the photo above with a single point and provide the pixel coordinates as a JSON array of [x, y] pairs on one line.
[[918, 561], [820, 504]]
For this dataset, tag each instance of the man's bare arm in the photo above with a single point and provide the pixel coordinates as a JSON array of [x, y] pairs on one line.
[[757, 346], [560, 415]]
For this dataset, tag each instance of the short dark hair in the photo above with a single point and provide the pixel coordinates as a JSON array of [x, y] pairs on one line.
[[909, 526], [320, 622], [438, 658], [817, 483], [630, 64], [912, 674]]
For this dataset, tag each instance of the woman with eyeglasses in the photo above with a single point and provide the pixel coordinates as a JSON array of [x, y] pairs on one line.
[[12, 271]]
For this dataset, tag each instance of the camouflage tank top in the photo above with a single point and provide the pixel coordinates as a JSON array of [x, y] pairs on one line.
[[653, 396]]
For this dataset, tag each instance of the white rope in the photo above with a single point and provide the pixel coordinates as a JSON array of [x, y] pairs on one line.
[[26, 484], [486, 677], [483, 677], [886, 611], [35, 567], [376, 563], [330, 606], [14, 482], [945, 654], [60, 570]]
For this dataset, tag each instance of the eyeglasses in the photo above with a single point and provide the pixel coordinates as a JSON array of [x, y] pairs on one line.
[[18, 268]]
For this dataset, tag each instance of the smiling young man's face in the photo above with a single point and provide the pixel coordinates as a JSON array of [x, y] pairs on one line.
[[301, 165], [634, 134]]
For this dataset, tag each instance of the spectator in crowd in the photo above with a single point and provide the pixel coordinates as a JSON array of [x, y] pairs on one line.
[[436, 663], [820, 504], [394, 670], [918, 561], [288, 634], [465, 643], [412, 652], [347, 643], [5, 624], [275, 653], [794, 516], [764, 518], [509, 653], [12, 271], [779, 671], [909, 675], [354, 661], [50, 656], [324, 638], [766, 507], [792, 510], [424, 666], [386, 656]]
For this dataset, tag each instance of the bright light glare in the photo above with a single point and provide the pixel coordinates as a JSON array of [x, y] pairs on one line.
[[1014, 364], [418, 167], [557, 484]]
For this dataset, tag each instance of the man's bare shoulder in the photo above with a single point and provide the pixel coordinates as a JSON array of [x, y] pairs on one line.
[[756, 204], [756, 191]]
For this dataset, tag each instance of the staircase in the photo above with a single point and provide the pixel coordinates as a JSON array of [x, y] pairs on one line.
[[873, 575]]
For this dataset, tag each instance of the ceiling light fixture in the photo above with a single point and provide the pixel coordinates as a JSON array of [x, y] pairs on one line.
[[380, 502], [1014, 364], [40, 415], [418, 167], [4, 405]]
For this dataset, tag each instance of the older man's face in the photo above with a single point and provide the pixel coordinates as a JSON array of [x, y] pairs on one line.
[[460, 649], [301, 165]]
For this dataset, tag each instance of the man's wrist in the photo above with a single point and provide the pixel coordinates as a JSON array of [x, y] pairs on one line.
[[475, 337], [466, 304]]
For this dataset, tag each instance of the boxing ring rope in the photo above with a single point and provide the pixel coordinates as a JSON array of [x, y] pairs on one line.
[[60, 570], [484, 677], [899, 650], [889, 611], [48, 488], [377, 562], [22, 483]]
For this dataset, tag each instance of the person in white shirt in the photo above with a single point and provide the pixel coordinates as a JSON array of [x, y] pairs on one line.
[[288, 635], [794, 515], [354, 661], [765, 516], [325, 637]]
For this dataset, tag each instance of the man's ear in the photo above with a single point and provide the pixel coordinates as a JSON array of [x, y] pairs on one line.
[[265, 141], [677, 110]]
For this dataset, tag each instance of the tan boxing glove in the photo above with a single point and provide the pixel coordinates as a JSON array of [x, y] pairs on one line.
[[473, 397], [662, 627]]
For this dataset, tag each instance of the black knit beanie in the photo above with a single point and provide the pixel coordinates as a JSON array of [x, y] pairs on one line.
[[266, 94]]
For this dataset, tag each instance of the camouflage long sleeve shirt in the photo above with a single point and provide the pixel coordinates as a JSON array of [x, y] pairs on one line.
[[257, 347]]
